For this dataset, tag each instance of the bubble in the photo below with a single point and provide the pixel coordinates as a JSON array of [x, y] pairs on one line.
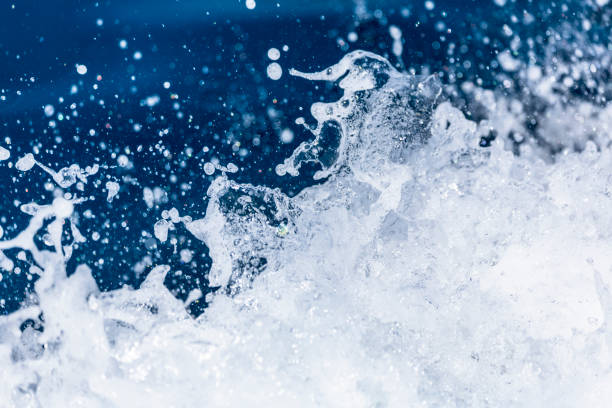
[[137, 55], [4, 154], [274, 71], [250, 4], [123, 44]]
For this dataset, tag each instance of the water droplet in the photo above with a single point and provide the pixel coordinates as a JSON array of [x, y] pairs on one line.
[[274, 71], [273, 54], [81, 69], [209, 168]]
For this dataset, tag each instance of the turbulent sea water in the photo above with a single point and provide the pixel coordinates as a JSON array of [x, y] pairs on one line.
[[432, 234]]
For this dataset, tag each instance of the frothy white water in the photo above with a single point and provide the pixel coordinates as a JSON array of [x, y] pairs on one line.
[[425, 271]]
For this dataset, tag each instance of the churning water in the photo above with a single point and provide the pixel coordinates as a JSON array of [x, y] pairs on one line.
[[438, 261]]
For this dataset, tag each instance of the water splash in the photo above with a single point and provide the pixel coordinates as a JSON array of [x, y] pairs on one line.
[[377, 99], [427, 270], [65, 177]]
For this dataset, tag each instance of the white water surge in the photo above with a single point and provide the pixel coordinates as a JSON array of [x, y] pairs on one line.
[[425, 271]]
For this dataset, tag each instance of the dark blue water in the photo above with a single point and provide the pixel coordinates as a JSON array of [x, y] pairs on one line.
[[218, 102]]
